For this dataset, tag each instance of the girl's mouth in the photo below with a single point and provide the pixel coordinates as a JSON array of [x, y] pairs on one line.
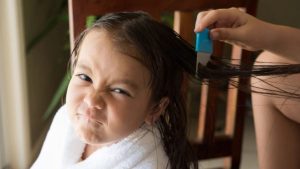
[[87, 117]]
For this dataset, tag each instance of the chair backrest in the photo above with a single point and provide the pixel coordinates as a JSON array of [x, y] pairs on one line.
[[207, 144]]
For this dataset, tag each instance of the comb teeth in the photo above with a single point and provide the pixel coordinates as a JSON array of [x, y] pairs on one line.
[[203, 58], [203, 48]]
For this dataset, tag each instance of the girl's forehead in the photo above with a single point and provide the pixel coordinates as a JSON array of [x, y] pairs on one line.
[[100, 54], [114, 42], [98, 45], [95, 37]]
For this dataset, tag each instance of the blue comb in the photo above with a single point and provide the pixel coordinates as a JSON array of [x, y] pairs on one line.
[[204, 47]]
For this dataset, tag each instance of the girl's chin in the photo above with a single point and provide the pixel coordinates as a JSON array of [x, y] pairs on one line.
[[93, 137], [89, 135]]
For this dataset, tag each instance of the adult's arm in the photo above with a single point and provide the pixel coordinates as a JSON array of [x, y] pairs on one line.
[[236, 27]]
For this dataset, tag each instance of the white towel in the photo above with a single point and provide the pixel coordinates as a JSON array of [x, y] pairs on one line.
[[62, 149]]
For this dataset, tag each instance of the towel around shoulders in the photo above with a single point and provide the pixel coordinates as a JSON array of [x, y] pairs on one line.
[[62, 149]]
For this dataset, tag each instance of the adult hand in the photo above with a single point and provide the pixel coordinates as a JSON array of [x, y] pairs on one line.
[[235, 27]]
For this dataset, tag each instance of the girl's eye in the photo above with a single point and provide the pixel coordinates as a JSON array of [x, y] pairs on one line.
[[84, 77], [121, 91]]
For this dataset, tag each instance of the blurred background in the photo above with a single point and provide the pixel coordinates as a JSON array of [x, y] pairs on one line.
[[34, 52]]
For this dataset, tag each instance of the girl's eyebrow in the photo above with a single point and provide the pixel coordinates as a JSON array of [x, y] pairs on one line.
[[83, 66], [127, 82]]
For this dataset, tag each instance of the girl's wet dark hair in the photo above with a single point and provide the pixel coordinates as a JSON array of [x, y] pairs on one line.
[[170, 59], [220, 70]]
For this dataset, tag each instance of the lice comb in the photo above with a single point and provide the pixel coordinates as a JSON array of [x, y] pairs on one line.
[[203, 48]]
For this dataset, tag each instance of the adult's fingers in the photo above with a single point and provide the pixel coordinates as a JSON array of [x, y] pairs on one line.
[[224, 34], [213, 17], [199, 25], [234, 36]]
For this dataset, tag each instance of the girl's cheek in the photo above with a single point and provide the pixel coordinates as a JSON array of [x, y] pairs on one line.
[[73, 93]]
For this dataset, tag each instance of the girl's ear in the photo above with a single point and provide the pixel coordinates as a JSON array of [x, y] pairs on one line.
[[157, 111]]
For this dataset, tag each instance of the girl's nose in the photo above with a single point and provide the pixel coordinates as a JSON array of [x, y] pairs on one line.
[[94, 100]]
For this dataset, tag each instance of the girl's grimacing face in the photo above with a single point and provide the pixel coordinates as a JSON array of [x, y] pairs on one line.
[[108, 96]]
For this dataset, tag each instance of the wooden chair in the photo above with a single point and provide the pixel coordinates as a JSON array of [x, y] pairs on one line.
[[208, 145]]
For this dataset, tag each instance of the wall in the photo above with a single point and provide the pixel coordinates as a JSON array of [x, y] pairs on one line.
[[280, 12]]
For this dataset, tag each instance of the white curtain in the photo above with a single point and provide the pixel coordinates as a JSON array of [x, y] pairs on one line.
[[2, 156], [14, 122]]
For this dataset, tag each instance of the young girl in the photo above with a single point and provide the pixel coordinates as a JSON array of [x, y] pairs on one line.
[[124, 104]]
